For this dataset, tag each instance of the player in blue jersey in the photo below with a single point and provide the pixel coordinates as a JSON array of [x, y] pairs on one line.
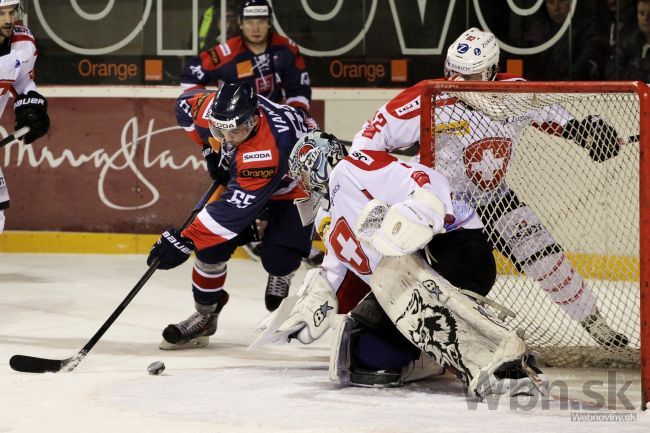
[[255, 137], [269, 62]]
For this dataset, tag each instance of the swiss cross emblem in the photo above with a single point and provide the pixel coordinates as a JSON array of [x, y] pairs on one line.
[[347, 249], [486, 161], [420, 177]]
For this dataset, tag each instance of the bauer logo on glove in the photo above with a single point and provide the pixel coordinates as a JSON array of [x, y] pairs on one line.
[[171, 249]]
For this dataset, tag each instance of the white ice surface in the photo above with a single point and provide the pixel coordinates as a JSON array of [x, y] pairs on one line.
[[51, 305]]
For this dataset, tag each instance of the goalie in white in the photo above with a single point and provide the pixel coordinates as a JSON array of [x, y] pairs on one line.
[[376, 211], [465, 137]]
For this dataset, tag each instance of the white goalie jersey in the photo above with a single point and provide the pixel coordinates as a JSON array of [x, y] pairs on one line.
[[354, 182], [472, 150]]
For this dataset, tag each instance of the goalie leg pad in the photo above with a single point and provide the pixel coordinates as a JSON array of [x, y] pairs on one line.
[[310, 317], [444, 323]]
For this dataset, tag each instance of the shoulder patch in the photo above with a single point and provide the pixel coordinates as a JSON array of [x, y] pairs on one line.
[[198, 103], [214, 57], [225, 49]]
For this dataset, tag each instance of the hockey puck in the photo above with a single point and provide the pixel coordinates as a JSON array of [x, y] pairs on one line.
[[156, 368]]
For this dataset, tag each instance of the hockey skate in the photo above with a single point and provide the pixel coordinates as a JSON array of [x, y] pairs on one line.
[[277, 288], [195, 331], [518, 378], [596, 326]]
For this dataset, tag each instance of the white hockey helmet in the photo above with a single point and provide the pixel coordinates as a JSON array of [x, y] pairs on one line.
[[4, 3], [474, 54], [312, 160]]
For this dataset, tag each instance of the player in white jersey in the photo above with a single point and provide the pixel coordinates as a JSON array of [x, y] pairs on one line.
[[515, 231], [17, 58], [373, 208]]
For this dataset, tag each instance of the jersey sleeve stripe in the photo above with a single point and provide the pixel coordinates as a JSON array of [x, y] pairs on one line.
[[206, 232]]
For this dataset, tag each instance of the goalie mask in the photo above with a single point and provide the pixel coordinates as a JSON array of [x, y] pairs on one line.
[[473, 56], [311, 162]]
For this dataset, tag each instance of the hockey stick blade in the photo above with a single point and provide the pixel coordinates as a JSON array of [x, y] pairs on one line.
[[32, 364]]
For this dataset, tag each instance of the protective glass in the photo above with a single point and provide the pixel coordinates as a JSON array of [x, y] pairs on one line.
[[232, 135]]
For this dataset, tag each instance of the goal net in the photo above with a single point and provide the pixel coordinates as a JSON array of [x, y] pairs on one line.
[[570, 240]]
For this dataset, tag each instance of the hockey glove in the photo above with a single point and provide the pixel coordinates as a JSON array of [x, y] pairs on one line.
[[172, 249], [212, 159], [595, 135], [31, 110]]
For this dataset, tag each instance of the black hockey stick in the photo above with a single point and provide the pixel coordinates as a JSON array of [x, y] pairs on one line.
[[31, 364], [14, 136]]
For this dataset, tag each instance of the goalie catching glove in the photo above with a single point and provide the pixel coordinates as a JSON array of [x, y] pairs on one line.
[[172, 249], [403, 228], [595, 135], [31, 110]]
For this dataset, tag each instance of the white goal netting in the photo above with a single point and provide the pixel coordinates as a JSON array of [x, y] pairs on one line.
[[568, 220]]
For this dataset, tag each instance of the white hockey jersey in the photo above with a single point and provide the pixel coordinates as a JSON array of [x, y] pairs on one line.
[[16, 67], [16, 78], [472, 150], [357, 179]]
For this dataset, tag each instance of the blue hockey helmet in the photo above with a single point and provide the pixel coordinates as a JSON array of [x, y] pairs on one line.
[[233, 109]]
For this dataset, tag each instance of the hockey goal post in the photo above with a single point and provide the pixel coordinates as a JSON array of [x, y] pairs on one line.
[[597, 212]]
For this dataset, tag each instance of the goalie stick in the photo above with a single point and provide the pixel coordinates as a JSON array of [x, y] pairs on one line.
[[32, 364], [14, 136]]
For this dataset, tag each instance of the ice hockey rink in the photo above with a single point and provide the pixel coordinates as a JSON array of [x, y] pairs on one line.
[[52, 304]]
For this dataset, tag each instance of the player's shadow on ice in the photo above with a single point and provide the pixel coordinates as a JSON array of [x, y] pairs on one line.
[[14, 277], [38, 346]]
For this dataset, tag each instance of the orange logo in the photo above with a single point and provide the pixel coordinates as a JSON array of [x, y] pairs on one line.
[[245, 69]]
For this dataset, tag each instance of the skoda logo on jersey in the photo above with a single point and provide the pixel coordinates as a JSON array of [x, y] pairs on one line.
[[477, 51], [462, 48], [261, 155]]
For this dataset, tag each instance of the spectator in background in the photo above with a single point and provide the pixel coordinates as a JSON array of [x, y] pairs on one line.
[[209, 30], [631, 59], [620, 16], [271, 63], [581, 52]]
